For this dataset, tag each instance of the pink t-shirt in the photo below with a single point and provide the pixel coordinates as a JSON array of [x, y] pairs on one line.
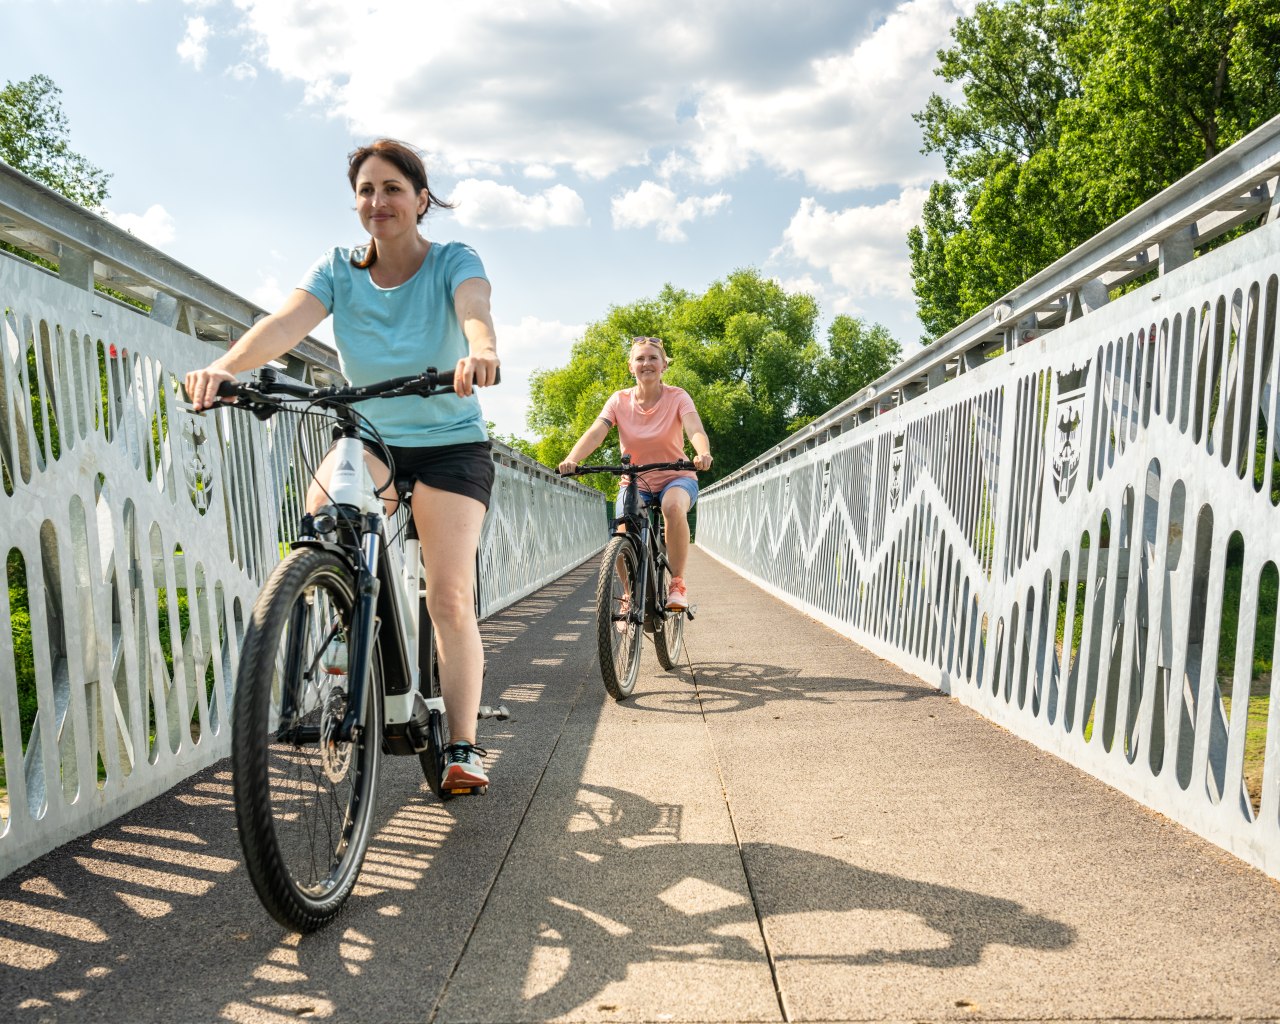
[[653, 435]]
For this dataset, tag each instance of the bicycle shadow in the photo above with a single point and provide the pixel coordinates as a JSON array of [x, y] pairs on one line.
[[721, 687], [624, 892]]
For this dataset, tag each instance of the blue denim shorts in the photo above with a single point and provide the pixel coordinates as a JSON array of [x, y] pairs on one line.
[[690, 487], [648, 497]]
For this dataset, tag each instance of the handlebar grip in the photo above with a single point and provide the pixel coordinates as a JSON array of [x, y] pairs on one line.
[[444, 378]]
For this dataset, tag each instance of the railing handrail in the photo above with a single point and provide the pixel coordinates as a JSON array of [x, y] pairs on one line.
[[89, 250], [1225, 191]]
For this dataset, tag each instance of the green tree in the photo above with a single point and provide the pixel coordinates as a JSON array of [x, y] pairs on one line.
[[856, 355], [999, 216], [1074, 112], [1164, 87], [744, 350], [34, 140]]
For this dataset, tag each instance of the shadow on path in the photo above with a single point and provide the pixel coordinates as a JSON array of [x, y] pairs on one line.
[[732, 686], [626, 891], [152, 918]]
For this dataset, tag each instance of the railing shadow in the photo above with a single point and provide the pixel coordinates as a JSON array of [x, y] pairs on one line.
[[153, 919]]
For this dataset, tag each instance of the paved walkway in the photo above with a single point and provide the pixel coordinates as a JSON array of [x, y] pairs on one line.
[[792, 829]]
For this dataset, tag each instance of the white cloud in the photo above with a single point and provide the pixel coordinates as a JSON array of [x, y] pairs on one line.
[[844, 125], [539, 172], [194, 46], [530, 345], [269, 294], [242, 71], [155, 227], [487, 204], [651, 203], [863, 248], [824, 90]]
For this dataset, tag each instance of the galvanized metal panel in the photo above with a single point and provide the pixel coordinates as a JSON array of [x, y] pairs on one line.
[[1093, 476]]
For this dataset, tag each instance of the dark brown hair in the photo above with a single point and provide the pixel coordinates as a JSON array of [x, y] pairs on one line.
[[409, 163]]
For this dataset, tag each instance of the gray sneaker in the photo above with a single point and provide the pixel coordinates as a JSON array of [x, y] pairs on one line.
[[463, 768]]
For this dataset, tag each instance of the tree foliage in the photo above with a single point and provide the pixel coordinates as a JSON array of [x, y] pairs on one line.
[[744, 350], [1073, 113], [34, 140]]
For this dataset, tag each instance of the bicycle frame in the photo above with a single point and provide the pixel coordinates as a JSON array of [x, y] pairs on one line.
[[643, 527], [390, 587]]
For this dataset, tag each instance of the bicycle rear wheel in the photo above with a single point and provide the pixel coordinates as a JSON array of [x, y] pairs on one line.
[[304, 799], [668, 635], [617, 632], [432, 759]]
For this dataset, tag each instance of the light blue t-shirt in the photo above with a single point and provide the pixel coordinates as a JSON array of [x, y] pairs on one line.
[[392, 332]]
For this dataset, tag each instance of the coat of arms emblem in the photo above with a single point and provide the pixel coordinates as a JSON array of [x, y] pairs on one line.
[[896, 456], [198, 473], [1068, 442]]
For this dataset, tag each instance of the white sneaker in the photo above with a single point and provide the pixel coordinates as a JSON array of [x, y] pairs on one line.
[[463, 768], [677, 595]]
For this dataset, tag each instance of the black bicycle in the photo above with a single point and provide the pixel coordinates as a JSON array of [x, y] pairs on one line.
[[632, 588], [338, 667]]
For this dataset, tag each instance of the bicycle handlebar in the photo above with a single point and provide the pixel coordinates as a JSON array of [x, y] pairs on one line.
[[267, 394], [627, 469]]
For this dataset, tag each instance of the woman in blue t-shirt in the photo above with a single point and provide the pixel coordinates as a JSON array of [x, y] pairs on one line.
[[399, 304]]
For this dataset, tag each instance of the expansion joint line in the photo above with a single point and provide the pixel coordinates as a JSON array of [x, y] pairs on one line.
[[433, 1016], [737, 840]]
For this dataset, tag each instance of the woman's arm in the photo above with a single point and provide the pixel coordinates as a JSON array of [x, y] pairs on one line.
[[586, 444], [471, 304], [268, 339], [698, 436]]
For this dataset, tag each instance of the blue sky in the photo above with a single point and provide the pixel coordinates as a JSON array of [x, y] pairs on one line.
[[597, 149]]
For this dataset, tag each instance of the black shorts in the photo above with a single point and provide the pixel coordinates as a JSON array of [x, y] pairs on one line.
[[465, 468]]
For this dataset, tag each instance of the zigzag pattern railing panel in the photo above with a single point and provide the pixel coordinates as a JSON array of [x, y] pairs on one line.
[[1079, 539], [136, 538]]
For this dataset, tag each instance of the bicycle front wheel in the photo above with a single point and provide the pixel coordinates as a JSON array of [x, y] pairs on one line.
[[304, 798], [617, 604]]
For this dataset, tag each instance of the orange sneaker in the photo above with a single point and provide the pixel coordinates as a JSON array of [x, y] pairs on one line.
[[677, 596]]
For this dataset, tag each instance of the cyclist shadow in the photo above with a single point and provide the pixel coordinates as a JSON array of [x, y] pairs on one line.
[[725, 686], [648, 899]]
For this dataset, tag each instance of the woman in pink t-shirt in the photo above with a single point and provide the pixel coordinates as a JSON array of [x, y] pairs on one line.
[[652, 420]]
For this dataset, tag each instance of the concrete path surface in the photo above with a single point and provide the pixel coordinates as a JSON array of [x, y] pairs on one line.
[[787, 828]]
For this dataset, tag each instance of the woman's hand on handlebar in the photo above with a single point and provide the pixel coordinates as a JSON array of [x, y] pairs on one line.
[[480, 370], [202, 386], [567, 468], [702, 462]]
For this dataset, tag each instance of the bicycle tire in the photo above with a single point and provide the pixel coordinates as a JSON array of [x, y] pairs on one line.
[[432, 759], [668, 637], [618, 636], [304, 807]]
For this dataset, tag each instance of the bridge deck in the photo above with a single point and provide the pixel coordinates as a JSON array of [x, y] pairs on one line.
[[793, 829]]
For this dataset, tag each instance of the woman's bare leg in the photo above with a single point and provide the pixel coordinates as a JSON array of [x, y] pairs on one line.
[[449, 529], [675, 513]]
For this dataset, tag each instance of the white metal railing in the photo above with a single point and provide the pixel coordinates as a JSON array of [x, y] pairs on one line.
[[136, 535], [1077, 538]]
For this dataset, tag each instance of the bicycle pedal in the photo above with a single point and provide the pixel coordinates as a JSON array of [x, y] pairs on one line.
[[500, 712], [691, 611], [469, 791]]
